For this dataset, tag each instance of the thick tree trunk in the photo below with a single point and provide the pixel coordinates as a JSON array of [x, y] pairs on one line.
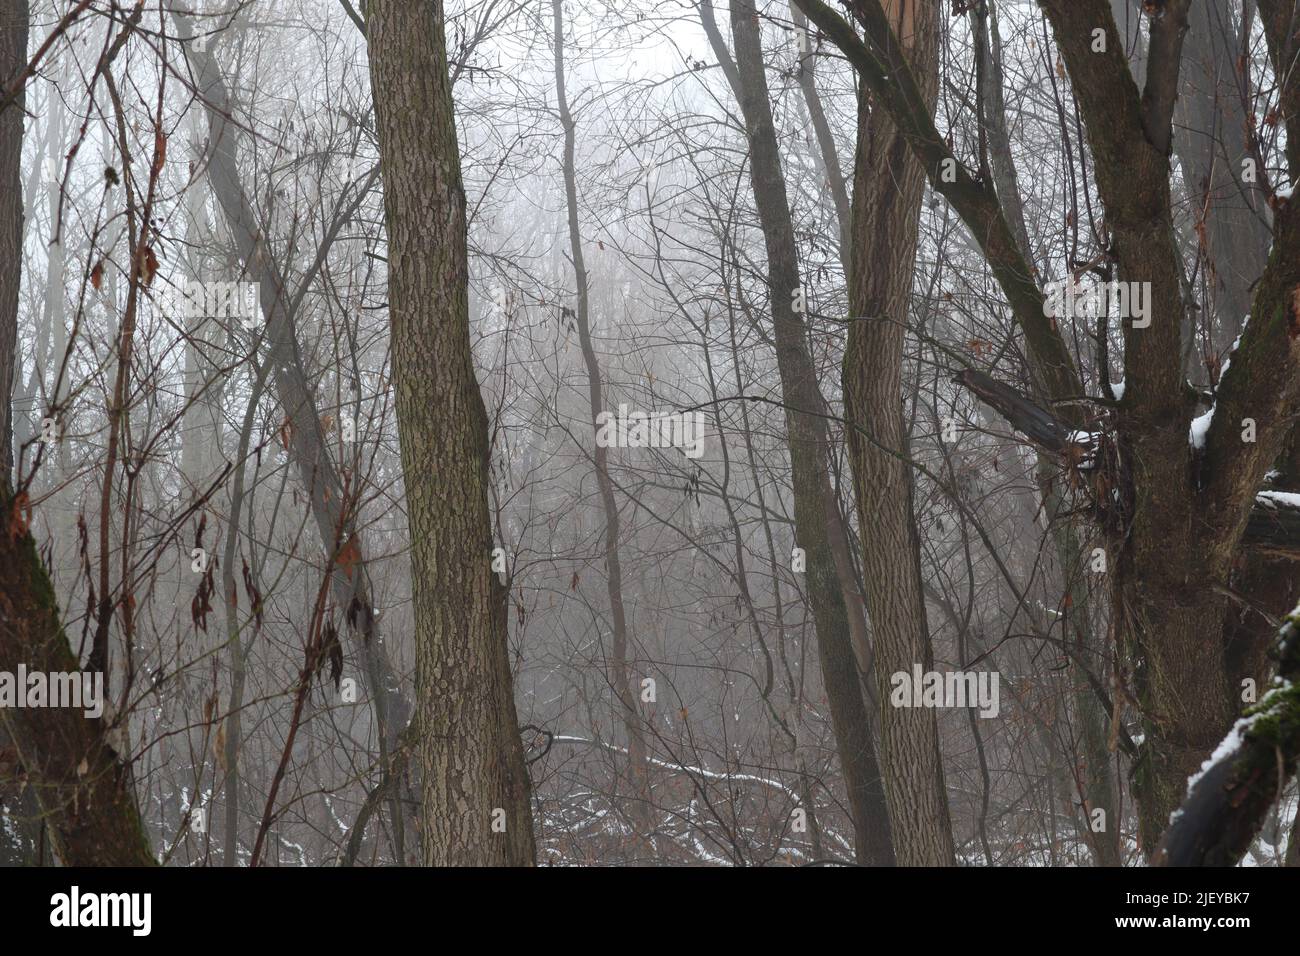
[[1173, 501], [887, 190], [808, 442], [474, 777]]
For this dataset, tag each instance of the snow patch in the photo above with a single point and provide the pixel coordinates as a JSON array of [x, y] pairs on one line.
[[1200, 428], [1227, 747]]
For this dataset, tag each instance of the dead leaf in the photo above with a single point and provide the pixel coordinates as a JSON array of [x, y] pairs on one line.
[[159, 150], [219, 746], [146, 265], [335, 651], [349, 556]]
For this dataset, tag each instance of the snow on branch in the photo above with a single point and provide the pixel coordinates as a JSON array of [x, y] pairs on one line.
[[1273, 527]]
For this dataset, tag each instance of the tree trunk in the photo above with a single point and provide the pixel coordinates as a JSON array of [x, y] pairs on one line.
[[1210, 142], [474, 779], [620, 676], [83, 786], [887, 191], [13, 58], [808, 442]]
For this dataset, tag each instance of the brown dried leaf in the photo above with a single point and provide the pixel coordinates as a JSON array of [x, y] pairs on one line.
[[159, 150]]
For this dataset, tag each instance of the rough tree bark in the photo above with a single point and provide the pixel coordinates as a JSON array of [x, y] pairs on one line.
[[888, 183], [474, 776]]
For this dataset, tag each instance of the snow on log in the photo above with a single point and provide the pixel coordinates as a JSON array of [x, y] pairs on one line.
[[1229, 800]]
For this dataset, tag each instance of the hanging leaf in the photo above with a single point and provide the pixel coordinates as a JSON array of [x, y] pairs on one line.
[[354, 611], [332, 651], [146, 265], [201, 605], [336, 661], [159, 150], [219, 747], [349, 557]]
